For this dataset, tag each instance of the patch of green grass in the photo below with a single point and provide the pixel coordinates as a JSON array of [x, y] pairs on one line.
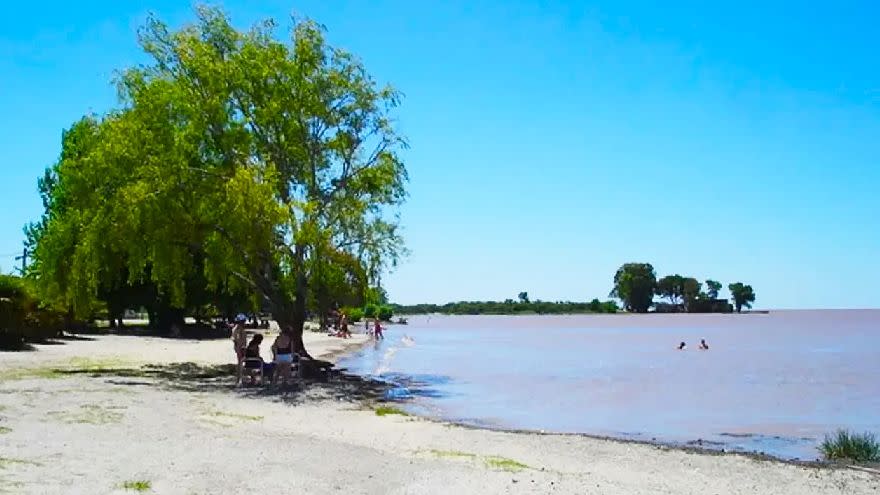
[[92, 414], [8, 461], [389, 410], [455, 454], [846, 445], [137, 485], [505, 464], [74, 366], [48, 372], [4, 430]]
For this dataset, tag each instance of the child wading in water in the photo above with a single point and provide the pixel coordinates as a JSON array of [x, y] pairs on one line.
[[377, 330]]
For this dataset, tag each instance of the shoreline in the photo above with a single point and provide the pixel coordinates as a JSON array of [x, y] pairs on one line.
[[70, 430]]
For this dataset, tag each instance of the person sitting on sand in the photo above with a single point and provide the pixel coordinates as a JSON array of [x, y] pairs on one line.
[[283, 355], [253, 352], [703, 345], [239, 338], [682, 346]]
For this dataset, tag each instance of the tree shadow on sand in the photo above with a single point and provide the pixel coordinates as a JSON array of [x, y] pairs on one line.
[[199, 378]]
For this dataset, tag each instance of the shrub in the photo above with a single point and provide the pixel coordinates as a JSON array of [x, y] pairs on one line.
[[855, 447], [385, 313], [21, 316], [610, 307], [370, 310]]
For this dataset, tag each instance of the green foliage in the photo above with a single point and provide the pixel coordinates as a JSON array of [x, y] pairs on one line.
[[741, 295], [634, 285], [712, 287], [390, 411], [337, 278], [137, 485], [670, 287], [376, 296], [679, 290], [236, 163], [523, 297], [691, 291], [354, 314], [370, 310], [22, 316], [845, 445], [509, 307], [505, 464], [385, 313]]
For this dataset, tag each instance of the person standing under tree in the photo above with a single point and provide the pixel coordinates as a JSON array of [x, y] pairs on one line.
[[239, 338]]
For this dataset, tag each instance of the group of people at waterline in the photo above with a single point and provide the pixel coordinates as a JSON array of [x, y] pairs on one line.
[[703, 346], [342, 331], [285, 353]]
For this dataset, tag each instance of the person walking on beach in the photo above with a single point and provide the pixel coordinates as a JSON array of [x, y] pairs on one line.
[[682, 346], [703, 345]]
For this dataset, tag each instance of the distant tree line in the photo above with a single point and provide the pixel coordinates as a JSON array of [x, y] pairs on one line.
[[509, 307], [636, 284]]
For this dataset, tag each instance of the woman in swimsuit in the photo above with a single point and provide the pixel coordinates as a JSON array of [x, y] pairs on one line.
[[282, 349], [239, 338]]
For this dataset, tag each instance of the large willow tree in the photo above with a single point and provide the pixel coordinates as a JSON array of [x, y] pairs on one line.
[[234, 155]]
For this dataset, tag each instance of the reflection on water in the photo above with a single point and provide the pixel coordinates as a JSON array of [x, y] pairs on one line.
[[774, 383]]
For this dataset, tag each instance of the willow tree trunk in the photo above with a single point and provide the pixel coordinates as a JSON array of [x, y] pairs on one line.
[[292, 314]]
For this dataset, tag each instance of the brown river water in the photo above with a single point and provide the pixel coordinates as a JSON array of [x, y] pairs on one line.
[[773, 383]]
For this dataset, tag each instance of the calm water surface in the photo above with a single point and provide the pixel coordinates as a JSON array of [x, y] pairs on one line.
[[773, 383]]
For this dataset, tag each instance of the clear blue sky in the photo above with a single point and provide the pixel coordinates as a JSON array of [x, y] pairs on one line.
[[554, 141]]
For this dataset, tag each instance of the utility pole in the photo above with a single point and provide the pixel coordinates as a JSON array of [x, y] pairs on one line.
[[23, 258]]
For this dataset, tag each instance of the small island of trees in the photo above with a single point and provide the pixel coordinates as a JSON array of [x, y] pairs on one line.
[[635, 286]]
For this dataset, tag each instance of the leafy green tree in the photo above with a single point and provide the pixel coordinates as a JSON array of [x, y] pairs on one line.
[[336, 279], [371, 310], [634, 285], [691, 290], [712, 287], [385, 313], [236, 156], [523, 297], [377, 296], [741, 295], [671, 287]]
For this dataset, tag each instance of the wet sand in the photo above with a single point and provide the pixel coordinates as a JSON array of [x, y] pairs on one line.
[[91, 416]]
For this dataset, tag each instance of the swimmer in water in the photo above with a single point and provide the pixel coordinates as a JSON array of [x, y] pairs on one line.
[[703, 345], [682, 346]]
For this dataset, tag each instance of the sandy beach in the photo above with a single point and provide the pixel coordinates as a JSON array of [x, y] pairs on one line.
[[100, 415]]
